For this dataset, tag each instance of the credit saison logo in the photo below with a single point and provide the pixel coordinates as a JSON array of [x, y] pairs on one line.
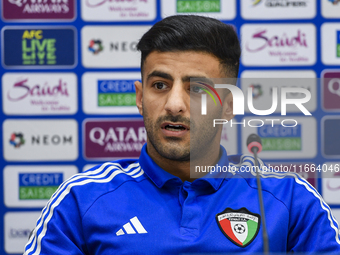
[[187, 6], [38, 185], [116, 93], [280, 3], [17, 139], [238, 103], [280, 138], [39, 47]]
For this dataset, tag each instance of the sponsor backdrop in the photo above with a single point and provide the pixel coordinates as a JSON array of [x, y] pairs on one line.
[[68, 99]]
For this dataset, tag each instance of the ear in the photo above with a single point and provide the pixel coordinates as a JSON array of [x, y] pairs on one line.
[[139, 96], [228, 107]]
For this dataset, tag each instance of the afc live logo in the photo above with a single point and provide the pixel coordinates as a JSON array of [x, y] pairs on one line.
[[39, 47]]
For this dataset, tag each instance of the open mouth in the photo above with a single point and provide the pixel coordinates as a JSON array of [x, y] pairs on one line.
[[174, 127]]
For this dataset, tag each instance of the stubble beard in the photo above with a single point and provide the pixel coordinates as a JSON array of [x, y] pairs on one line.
[[172, 149]]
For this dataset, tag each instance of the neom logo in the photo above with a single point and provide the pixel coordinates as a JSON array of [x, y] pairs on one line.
[[123, 46], [51, 140], [21, 90], [17, 139]]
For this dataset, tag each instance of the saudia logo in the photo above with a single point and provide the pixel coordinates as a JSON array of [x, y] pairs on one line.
[[36, 49], [42, 6], [276, 41], [97, 3], [22, 90], [185, 6]]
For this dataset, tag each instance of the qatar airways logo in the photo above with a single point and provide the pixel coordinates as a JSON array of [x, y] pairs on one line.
[[115, 138], [97, 3], [22, 90], [20, 3], [263, 41], [38, 9]]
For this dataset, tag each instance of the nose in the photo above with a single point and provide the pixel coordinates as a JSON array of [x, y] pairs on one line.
[[178, 100]]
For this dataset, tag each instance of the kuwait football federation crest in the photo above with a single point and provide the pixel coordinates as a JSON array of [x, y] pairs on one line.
[[239, 226]]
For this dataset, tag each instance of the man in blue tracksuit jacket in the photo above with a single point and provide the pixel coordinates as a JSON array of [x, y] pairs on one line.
[[152, 205]]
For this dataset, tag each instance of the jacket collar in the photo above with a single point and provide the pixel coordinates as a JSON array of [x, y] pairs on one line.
[[160, 177]]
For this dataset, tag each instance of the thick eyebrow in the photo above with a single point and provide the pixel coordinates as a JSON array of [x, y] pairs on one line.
[[184, 79], [198, 79], [160, 74]]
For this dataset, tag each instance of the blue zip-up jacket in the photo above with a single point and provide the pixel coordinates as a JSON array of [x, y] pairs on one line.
[[135, 207]]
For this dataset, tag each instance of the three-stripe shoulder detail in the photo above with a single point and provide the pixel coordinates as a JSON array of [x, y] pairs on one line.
[[105, 173]]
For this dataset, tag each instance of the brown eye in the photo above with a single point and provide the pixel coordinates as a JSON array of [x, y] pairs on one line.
[[160, 85]]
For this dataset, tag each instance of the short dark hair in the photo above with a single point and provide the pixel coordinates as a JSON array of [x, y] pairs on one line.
[[194, 33]]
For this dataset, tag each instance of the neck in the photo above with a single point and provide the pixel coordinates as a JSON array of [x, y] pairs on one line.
[[181, 169]]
